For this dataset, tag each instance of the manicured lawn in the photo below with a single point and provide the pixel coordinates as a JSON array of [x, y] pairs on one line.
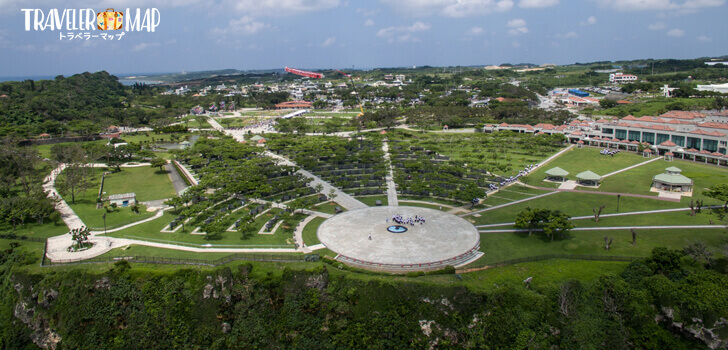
[[327, 207], [505, 246], [309, 232], [33, 229], [431, 200], [543, 273], [588, 158], [574, 204], [371, 201], [140, 250], [154, 137], [151, 231], [85, 208], [148, 183], [681, 218], [423, 205], [45, 150], [639, 180]]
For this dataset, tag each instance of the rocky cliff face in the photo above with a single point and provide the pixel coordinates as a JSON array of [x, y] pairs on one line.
[[25, 311]]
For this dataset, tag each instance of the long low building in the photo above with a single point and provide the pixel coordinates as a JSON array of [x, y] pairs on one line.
[[684, 134]]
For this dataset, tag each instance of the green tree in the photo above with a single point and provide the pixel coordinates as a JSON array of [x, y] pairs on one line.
[[558, 222], [719, 192], [158, 163], [607, 103], [246, 228]]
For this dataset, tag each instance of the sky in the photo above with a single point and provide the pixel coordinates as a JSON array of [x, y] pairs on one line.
[[195, 35]]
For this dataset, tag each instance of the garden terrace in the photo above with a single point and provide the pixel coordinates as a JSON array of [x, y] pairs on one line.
[[422, 172], [235, 168], [503, 153], [353, 165]]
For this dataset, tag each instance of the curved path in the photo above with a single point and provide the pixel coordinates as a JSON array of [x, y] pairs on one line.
[[611, 215], [610, 228]]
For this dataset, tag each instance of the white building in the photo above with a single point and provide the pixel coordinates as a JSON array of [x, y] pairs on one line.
[[722, 88], [622, 78], [123, 200]]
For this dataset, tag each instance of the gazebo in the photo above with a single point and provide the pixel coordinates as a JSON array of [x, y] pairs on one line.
[[672, 180], [588, 178], [556, 174]]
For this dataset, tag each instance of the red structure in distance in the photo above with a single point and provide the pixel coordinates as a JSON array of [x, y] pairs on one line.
[[304, 73]]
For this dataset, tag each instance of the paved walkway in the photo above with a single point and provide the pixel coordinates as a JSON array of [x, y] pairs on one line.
[[177, 181], [56, 248], [631, 167], [215, 125], [508, 204], [343, 199], [298, 235], [546, 161], [391, 186], [609, 228], [603, 193], [612, 215]]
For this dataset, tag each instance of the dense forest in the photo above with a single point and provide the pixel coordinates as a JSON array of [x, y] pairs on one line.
[[665, 301], [87, 103]]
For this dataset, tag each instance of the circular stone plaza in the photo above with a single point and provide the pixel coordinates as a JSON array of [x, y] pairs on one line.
[[370, 239]]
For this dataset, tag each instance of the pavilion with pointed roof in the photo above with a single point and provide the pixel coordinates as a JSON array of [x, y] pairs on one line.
[[672, 180], [588, 178], [556, 174]]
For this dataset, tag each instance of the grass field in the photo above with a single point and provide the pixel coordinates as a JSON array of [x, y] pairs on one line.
[[148, 183], [578, 160], [371, 201], [424, 205], [33, 229], [327, 207], [574, 204], [45, 150], [639, 180], [309, 232], [552, 271], [85, 208], [151, 231], [504, 246]]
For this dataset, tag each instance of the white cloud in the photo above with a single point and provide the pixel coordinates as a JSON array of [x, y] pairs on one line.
[[143, 46], [537, 3], [328, 42], [246, 25], [660, 5], [475, 31], [657, 26], [369, 23], [518, 26], [589, 21], [676, 33], [704, 39], [403, 33], [450, 8], [516, 44]]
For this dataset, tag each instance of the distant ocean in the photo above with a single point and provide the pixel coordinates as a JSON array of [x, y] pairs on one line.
[[21, 78], [51, 77]]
